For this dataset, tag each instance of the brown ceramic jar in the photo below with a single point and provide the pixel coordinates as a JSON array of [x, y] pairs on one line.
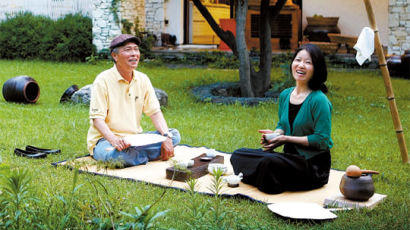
[[357, 188]]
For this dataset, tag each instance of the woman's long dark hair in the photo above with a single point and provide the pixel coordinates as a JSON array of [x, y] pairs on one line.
[[317, 82]]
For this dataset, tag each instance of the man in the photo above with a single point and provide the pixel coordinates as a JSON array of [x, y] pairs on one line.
[[119, 97]]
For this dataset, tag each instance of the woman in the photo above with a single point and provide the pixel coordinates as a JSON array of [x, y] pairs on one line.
[[304, 128]]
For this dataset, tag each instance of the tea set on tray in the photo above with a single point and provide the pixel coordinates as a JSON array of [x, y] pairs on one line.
[[209, 162]]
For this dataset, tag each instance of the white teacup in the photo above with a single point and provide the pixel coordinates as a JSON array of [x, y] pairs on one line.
[[213, 167], [270, 136], [211, 153], [185, 164], [190, 163], [182, 164]]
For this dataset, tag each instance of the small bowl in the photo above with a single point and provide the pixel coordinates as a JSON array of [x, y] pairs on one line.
[[206, 158], [215, 166]]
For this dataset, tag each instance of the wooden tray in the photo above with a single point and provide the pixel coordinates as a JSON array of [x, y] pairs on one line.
[[199, 169]]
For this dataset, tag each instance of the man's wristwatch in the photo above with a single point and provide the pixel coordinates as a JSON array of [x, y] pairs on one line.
[[168, 134]]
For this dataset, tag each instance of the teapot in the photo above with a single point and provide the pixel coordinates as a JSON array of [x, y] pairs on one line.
[[233, 180], [357, 184]]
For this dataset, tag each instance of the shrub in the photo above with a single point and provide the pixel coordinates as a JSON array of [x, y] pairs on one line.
[[26, 36], [23, 35], [73, 35]]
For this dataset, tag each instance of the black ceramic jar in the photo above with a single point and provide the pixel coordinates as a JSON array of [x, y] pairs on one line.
[[21, 89]]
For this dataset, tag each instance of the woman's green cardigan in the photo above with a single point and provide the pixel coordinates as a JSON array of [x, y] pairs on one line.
[[313, 120]]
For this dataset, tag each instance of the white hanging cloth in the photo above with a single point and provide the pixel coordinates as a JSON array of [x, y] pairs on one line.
[[364, 45]]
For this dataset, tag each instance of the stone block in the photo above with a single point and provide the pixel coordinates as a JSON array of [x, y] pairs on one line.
[[83, 95], [393, 20], [392, 39], [102, 23], [396, 9]]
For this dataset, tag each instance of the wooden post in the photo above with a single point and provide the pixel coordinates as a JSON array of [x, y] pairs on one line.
[[387, 83]]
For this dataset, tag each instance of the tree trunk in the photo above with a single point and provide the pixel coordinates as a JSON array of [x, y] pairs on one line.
[[253, 83], [243, 54], [261, 80]]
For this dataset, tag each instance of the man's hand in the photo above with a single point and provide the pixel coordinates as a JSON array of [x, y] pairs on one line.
[[119, 143], [116, 142], [167, 149]]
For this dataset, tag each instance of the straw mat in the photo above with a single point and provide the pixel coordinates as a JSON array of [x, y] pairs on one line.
[[155, 173]]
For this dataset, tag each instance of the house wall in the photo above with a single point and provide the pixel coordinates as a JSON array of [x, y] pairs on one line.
[[174, 14], [352, 15], [399, 25], [202, 32]]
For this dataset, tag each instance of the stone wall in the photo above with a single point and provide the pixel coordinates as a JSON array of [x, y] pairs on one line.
[[399, 26], [154, 18], [149, 12], [105, 28]]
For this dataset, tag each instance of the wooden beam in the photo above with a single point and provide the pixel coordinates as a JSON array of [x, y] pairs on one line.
[[387, 83]]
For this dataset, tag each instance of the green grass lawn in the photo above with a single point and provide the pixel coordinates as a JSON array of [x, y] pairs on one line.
[[362, 130]]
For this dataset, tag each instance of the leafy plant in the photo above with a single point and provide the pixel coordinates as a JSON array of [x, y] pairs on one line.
[[285, 81], [16, 199], [197, 210], [144, 217], [115, 6], [126, 26]]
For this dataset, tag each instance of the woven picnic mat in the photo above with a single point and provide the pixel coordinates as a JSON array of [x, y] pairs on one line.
[[155, 173]]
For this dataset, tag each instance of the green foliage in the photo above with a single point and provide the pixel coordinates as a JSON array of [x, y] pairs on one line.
[[212, 214], [144, 218], [213, 59], [26, 36], [73, 38], [147, 40], [16, 200], [115, 7], [126, 26], [283, 82]]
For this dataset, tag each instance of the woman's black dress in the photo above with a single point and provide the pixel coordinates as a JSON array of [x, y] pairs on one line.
[[273, 172]]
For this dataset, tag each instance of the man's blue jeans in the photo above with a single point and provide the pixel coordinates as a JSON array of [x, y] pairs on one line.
[[134, 155]]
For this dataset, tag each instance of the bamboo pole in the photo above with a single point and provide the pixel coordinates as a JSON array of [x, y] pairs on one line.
[[387, 83]]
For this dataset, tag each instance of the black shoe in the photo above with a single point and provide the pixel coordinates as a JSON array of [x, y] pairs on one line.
[[41, 150], [29, 154]]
